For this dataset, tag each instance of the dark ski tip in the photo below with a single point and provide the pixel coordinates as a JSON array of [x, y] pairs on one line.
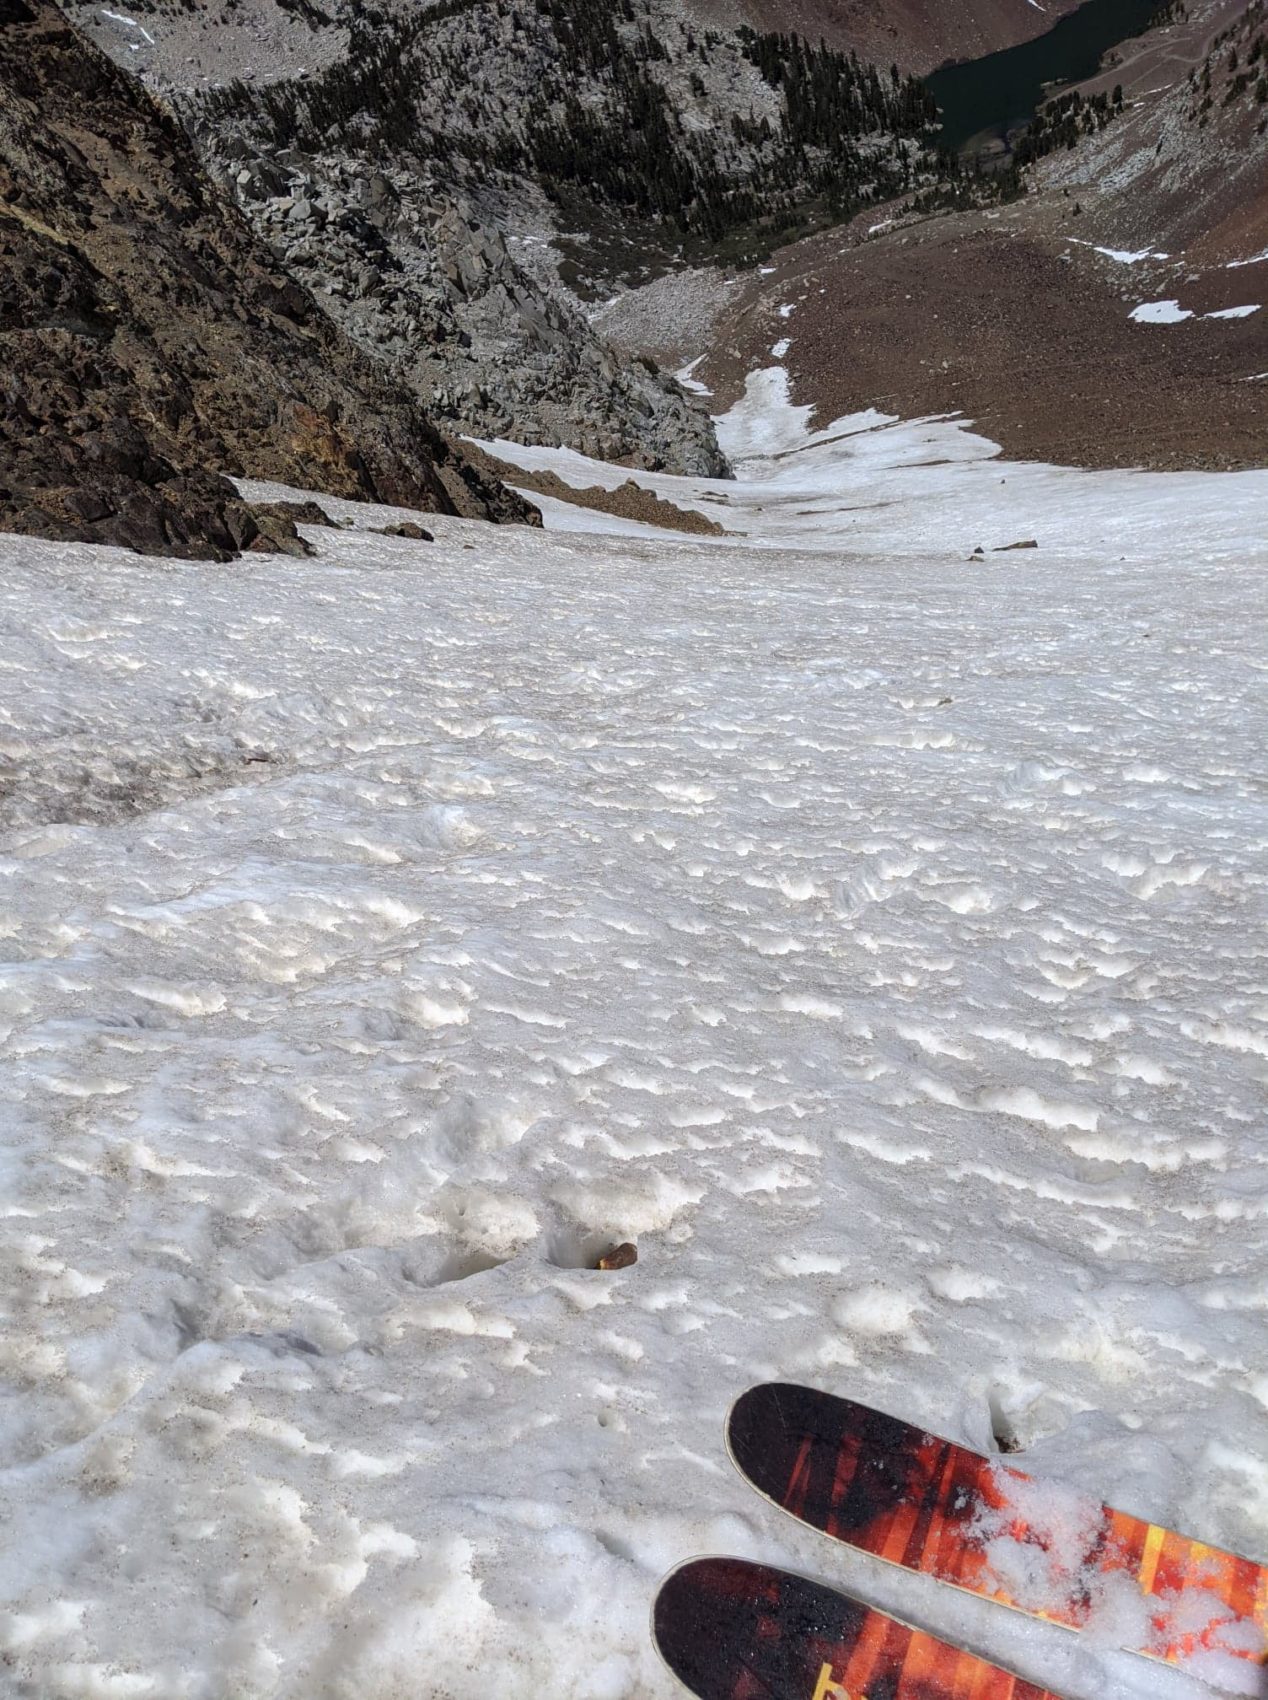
[[726, 1626], [767, 1428], [778, 1433], [732, 1630], [690, 1617]]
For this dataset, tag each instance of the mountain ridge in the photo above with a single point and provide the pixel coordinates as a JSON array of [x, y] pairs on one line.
[[529, 161], [152, 345]]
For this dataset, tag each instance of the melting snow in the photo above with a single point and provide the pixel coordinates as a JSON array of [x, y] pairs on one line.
[[1172, 313], [131, 23], [874, 485], [1124, 256], [688, 382], [874, 934], [1160, 313]]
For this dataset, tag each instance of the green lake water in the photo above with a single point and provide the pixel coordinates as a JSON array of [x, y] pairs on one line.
[[997, 93]]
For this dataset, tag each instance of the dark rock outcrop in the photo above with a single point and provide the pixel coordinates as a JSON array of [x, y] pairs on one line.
[[149, 343]]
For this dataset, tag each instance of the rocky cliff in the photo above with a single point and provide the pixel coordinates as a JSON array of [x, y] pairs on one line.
[[149, 343], [462, 184], [426, 283]]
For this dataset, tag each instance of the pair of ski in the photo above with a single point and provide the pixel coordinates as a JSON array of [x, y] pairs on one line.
[[731, 1630]]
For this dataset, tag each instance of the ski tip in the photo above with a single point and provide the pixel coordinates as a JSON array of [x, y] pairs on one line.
[[727, 1627], [704, 1618], [769, 1423], [783, 1437], [763, 1408], [680, 1635]]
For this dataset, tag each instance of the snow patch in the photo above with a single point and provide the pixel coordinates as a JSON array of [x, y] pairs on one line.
[[1171, 313], [685, 377], [130, 23], [1123, 256], [1160, 313]]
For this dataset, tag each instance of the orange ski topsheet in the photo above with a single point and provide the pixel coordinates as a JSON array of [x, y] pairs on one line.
[[731, 1630], [926, 1504]]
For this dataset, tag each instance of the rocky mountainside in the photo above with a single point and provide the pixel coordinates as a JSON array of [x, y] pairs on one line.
[[218, 40], [1186, 167], [462, 184], [528, 158], [149, 343], [426, 283], [646, 137]]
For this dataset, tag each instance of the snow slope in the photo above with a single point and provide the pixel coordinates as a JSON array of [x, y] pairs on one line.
[[875, 935], [871, 484]]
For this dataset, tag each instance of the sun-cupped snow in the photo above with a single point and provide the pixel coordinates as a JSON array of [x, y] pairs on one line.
[[873, 934]]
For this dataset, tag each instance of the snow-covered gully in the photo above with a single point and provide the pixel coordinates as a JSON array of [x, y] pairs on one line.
[[873, 933]]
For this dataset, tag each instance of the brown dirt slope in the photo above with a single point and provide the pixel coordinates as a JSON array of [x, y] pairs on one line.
[[148, 342], [628, 500], [1012, 316]]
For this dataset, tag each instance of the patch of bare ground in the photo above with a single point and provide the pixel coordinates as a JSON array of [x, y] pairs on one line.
[[1021, 318], [669, 319], [627, 501], [1007, 320]]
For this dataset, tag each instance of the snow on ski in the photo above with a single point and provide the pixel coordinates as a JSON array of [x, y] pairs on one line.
[[926, 1504]]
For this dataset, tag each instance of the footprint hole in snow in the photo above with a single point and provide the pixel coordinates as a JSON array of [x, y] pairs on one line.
[[1022, 1412], [190, 1322], [1003, 1432], [282, 1342], [452, 1266]]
